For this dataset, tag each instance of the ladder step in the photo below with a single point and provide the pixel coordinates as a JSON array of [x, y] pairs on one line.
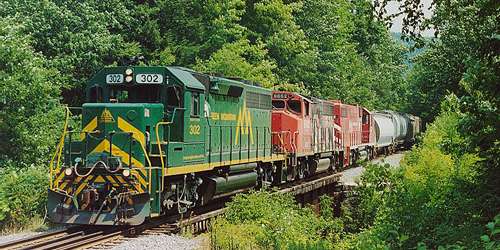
[[162, 143], [157, 155]]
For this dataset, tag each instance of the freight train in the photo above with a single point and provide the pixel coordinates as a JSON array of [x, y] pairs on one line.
[[160, 140]]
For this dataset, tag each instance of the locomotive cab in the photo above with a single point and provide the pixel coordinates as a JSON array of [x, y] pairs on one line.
[[292, 122]]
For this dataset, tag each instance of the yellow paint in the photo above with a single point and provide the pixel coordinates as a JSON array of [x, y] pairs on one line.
[[223, 116], [120, 179], [59, 178], [59, 150], [214, 116], [228, 117], [104, 147], [91, 126], [64, 184], [106, 117], [194, 129], [127, 127], [244, 125], [99, 179], [191, 157], [210, 166]]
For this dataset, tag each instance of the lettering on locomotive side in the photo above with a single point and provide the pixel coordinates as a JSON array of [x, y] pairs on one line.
[[194, 129], [244, 125], [228, 117], [214, 116], [223, 116], [192, 157]]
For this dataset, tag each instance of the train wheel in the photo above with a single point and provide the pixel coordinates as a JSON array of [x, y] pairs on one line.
[[301, 170], [268, 177]]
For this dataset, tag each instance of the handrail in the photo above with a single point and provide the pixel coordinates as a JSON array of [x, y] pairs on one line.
[[295, 140], [158, 142], [157, 129], [149, 162], [59, 148]]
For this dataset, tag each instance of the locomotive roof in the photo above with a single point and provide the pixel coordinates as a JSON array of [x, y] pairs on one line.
[[188, 77], [185, 76]]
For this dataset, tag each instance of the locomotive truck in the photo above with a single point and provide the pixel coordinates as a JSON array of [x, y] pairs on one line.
[[160, 140]]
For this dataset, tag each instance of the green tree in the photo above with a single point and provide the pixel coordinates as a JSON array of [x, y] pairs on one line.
[[30, 114], [273, 22], [74, 36], [243, 60]]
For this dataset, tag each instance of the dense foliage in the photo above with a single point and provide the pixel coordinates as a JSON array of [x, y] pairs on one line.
[[433, 199], [274, 221], [436, 198], [49, 49], [443, 195], [336, 46]]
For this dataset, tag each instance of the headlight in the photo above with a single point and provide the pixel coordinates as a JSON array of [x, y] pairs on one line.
[[68, 171], [128, 72], [126, 173], [128, 78]]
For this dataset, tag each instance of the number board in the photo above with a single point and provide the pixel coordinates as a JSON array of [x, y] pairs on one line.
[[280, 96], [114, 78], [149, 78]]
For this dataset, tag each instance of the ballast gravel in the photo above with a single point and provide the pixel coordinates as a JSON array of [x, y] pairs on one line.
[[161, 242], [351, 176], [16, 236], [22, 235]]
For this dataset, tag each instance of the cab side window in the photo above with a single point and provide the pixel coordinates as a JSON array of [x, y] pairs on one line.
[[96, 94], [173, 97], [195, 104]]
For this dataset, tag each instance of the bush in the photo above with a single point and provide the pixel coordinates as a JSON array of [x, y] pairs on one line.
[[430, 201], [274, 221], [23, 196]]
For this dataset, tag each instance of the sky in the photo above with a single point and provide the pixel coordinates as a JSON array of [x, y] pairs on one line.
[[392, 7]]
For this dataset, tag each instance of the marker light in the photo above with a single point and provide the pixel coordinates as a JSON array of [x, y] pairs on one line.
[[128, 72], [126, 172], [68, 171], [128, 78]]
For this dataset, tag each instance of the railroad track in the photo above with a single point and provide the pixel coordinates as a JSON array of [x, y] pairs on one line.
[[198, 221], [68, 238]]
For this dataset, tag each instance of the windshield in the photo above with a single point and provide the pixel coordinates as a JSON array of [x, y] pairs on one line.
[[295, 106], [135, 94], [278, 104]]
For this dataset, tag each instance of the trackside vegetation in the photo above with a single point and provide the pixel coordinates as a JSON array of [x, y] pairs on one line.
[[433, 200], [49, 49], [445, 194]]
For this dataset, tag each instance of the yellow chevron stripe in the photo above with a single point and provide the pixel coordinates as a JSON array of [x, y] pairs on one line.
[[137, 186], [64, 184], [120, 179], [77, 180], [140, 183], [104, 147], [91, 126], [99, 179], [111, 180], [127, 127], [59, 178]]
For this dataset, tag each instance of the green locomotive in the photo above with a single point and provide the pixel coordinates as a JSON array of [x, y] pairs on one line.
[[155, 140]]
